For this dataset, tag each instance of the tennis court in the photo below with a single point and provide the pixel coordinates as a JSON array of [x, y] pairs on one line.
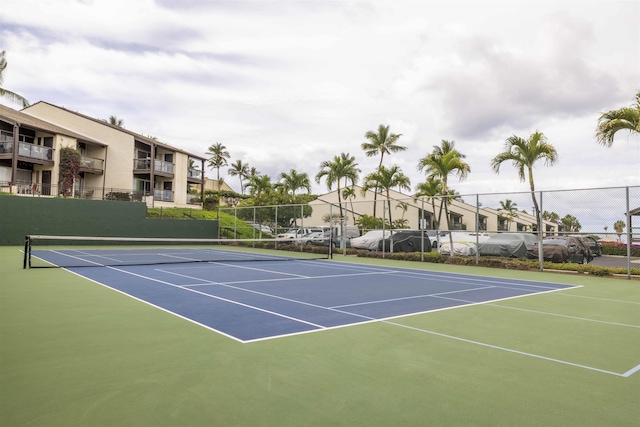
[[251, 299], [183, 336]]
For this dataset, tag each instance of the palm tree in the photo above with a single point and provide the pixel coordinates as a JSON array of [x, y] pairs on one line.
[[219, 156], [343, 167], [511, 210], [241, 170], [114, 121], [381, 142], [11, 96], [431, 189], [570, 223], [294, 181], [618, 227], [258, 186], [386, 179], [523, 154], [349, 193], [610, 122], [444, 160]]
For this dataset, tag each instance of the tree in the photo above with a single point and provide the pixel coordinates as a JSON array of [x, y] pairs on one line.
[[349, 194], [343, 167], [241, 170], [570, 224], [382, 142], [431, 189], [259, 185], [511, 210], [625, 118], [386, 179], [524, 153], [290, 183], [114, 121], [5, 93], [618, 227], [218, 158], [550, 216], [70, 161], [443, 161], [294, 181]]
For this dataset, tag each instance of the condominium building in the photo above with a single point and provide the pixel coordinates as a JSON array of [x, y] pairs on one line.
[[116, 163]]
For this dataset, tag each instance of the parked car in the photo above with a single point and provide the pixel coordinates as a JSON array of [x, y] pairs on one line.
[[261, 227], [309, 238], [562, 249], [437, 238], [369, 240], [406, 241], [513, 245], [297, 233], [593, 244], [335, 241], [459, 248]]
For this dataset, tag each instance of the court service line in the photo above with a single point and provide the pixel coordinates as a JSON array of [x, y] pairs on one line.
[[414, 297], [188, 319], [510, 350], [216, 297], [262, 270], [81, 259]]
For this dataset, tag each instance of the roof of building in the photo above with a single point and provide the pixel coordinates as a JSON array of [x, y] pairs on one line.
[[138, 136], [12, 116]]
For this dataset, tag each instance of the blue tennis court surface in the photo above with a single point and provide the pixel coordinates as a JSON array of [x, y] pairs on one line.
[[255, 300]]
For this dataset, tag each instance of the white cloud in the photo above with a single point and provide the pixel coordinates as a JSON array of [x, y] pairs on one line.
[[288, 84]]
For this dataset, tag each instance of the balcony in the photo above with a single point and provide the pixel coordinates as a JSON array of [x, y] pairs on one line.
[[91, 164], [35, 151], [194, 174], [159, 166], [163, 195], [6, 147]]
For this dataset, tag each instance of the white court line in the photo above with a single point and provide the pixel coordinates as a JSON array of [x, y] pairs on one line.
[[601, 299], [565, 316], [510, 350], [215, 297], [414, 297]]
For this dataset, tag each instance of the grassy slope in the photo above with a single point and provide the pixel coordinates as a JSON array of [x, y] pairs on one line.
[[73, 353]]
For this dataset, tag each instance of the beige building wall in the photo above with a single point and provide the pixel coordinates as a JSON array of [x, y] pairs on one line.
[[118, 166], [362, 204], [118, 152]]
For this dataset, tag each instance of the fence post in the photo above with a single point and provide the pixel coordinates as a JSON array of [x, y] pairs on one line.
[[540, 231], [628, 235], [477, 229]]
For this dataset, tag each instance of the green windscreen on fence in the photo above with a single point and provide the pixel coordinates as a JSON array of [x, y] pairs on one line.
[[21, 216]]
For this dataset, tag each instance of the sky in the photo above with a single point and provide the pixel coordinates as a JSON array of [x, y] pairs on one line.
[[289, 84]]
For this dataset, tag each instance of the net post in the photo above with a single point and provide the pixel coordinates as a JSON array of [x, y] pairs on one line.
[[27, 252]]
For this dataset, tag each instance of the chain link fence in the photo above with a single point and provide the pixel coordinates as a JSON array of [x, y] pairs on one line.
[[460, 225]]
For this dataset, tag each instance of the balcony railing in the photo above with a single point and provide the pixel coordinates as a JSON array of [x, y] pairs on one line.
[[6, 147], [194, 173], [163, 195], [158, 165], [91, 163], [194, 199], [35, 151]]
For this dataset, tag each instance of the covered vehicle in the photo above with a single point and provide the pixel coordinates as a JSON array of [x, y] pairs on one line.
[[370, 239], [513, 245], [406, 241], [562, 249], [463, 243], [593, 244]]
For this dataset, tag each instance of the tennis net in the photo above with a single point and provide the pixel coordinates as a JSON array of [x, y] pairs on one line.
[[87, 251]]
